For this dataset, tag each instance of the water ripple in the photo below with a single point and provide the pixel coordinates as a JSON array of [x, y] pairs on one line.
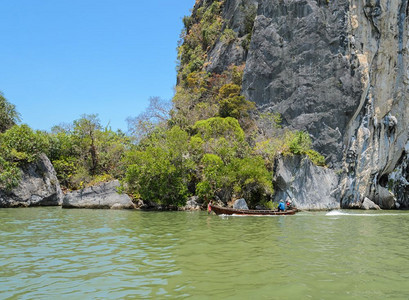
[[75, 254]]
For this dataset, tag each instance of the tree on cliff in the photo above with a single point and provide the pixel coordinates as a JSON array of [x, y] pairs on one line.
[[8, 114]]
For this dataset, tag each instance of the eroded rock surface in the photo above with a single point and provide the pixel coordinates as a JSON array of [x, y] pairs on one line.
[[240, 204], [192, 204], [39, 186], [368, 205], [103, 196], [299, 65], [307, 185]]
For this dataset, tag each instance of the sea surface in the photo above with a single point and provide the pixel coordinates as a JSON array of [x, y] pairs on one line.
[[54, 253]]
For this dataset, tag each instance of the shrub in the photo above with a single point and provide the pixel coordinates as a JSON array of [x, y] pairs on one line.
[[316, 158], [212, 166], [21, 144], [8, 114], [65, 169], [251, 179], [229, 90], [228, 36], [160, 170], [10, 175], [100, 179], [300, 143]]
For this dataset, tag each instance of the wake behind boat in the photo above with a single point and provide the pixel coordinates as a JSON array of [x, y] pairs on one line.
[[249, 212]]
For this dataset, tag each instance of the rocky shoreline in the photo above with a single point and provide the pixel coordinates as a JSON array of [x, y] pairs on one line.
[[310, 187]]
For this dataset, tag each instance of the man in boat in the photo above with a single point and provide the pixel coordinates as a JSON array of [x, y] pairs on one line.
[[289, 204], [281, 206], [209, 208]]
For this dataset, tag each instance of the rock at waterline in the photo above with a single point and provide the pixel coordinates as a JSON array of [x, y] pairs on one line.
[[385, 198], [192, 204], [103, 196], [368, 204], [309, 186], [38, 186], [240, 204]]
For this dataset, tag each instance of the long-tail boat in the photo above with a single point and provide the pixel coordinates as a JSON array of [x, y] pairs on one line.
[[250, 212]]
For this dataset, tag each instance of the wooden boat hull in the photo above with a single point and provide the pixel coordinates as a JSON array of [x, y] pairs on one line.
[[250, 212]]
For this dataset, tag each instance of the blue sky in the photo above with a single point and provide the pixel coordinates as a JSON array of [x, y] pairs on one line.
[[60, 59]]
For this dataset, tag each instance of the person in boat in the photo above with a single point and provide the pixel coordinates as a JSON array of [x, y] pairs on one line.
[[281, 206], [289, 204]]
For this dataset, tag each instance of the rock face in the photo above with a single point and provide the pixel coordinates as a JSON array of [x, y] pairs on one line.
[[368, 204], [192, 204], [39, 186], [240, 204], [337, 69], [377, 132], [101, 196], [240, 17], [307, 185], [298, 65]]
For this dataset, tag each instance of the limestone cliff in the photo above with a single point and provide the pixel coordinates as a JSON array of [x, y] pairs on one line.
[[337, 69]]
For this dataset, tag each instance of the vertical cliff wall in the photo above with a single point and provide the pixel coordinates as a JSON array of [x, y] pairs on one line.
[[377, 133], [339, 70], [299, 65]]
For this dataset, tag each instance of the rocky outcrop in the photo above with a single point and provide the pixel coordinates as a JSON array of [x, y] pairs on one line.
[[192, 204], [38, 186], [368, 205], [240, 204], [307, 185], [101, 196]]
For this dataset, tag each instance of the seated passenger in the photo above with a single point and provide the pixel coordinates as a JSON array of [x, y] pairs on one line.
[[281, 206]]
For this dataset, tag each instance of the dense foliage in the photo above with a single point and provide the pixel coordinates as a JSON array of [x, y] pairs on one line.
[[8, 114], [85, 153], [19, 145]]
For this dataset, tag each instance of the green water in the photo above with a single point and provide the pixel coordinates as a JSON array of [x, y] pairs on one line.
[[51, 253]]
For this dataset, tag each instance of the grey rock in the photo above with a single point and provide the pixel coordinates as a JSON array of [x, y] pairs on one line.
[[298, 65], [192, 204], [139, 203], [308, 186], [104, 195], [38, 186], [150, 205], [385, 198], [399, 181], [368, 205], [240, 204]]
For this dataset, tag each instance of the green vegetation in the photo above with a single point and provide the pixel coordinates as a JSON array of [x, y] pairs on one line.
[[18, 145], [85, 153], [9, 174], [228, 36], [159, 169], [201, 32], [8, 114]]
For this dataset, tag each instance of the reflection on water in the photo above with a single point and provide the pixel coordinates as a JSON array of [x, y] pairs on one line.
[[75, 254]]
